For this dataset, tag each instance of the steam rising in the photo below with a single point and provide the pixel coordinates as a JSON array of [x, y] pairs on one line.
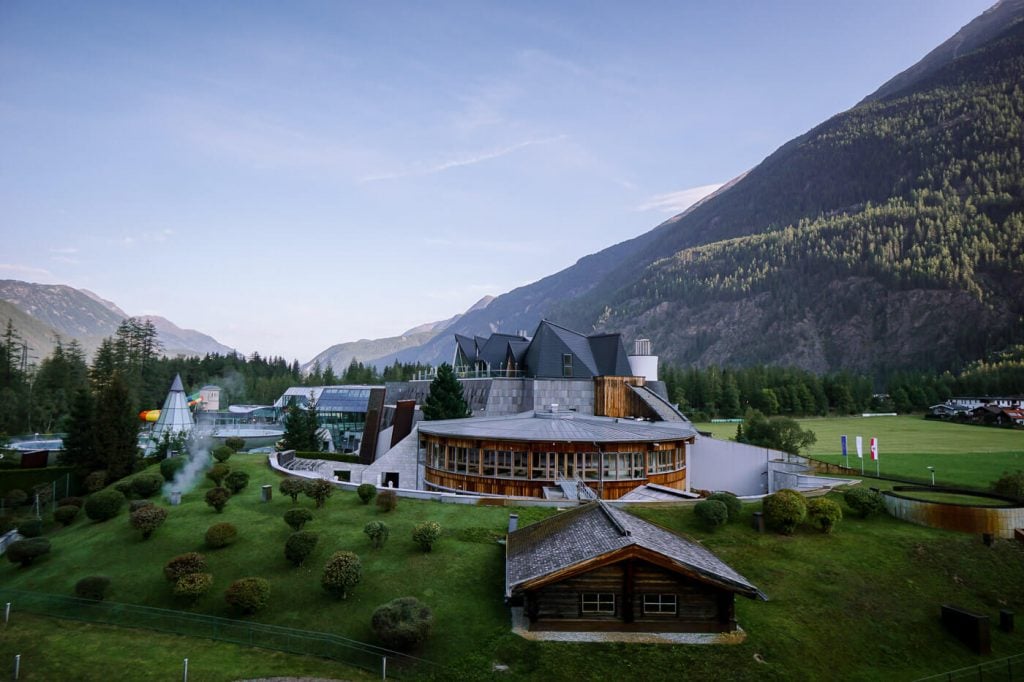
[[198, 462]]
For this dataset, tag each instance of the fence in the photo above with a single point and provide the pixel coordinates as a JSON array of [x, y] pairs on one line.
[[302, 642], [1008, 669]]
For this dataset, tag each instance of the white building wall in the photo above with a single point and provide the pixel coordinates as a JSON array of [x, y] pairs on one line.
[[724, 465]]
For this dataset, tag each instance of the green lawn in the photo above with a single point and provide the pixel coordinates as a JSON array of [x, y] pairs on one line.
[[962, 454], [860, 604]]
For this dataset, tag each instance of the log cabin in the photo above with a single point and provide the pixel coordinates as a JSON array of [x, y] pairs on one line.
[[597, 568]]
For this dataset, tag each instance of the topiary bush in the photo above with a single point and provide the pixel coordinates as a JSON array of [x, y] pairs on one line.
[[402, 623], [192, 586], [103, 505], [235, 443], [824, 513], [711, 513], [426, 534], [248, 595], [93, 587], [784, 511], [170, 467], [864, 502], [15, 498], [292, 487], [71, 502], [24, 552], [183, 564], [222, 453], [31, 528], [1010, 484], [148, 519], [297, 518], [217, 473], [343, 571], [378, 533], [236, 481], [95, 481], [299, 546], [66, 514], [319, 490], [387, 501], [147, 485], [732, 503], [366, 492], [124, 487], [218, 498], [220, 535]]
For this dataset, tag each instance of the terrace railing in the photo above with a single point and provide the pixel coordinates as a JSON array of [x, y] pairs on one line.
[[1011, 668], [303, 642]]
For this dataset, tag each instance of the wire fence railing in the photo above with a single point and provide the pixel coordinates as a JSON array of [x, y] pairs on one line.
[[351, 652], [1003, 669]]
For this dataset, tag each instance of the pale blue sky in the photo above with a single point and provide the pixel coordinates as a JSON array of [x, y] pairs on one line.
[[285, 176]]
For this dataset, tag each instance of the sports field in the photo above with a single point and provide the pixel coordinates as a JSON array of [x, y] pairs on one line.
[[962, 454]]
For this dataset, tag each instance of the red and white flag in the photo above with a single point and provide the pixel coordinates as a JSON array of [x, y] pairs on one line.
[[874, 449]]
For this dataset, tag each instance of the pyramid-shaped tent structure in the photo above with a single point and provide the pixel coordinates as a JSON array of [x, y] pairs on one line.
[[175, 416]]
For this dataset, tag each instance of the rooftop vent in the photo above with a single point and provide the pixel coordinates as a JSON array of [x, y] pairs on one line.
[[642, 347]]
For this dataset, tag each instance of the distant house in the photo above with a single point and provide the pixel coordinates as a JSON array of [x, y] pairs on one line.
[[949, 410], [596, 568]]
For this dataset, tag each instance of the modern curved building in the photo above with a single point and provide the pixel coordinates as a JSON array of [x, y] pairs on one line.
[[536, 453]]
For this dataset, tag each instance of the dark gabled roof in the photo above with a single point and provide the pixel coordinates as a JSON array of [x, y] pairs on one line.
[[467, 345], [582, 535], [610, 355], [495, 349], [518, 350]]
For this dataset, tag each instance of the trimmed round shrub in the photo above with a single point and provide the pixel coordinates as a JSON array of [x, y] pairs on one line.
[[248, 595], [217, 473], [366, 492], [387, 500], [319, 490], [343, 571], [236, 481], [147, 485], [298, 517], [124, 487], [402, 623], [864, 502], [71, 502], [299, 546], [170, 467], [103, 505], [66, 514], [93, 587], [218, 498], [712, 513], [292, 487], [784, 511], [222, 453], [95, 481], [731, 502], [1010, 484], [378, 533], [221, 535], [15, 498], [192, 586], [24, 552], [136, 505], [31, 528], [183, 564], [426, 534], [148, 519], [824, 513], [235, 443]]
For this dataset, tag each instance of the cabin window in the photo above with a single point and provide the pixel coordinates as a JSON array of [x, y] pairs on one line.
[[460, 460], [519, 464], [597, 602], [540, 465], [474, 461], [660, 604], [566, 364], [489, 462]]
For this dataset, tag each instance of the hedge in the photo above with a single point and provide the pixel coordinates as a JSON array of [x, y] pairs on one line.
[[349, 458]]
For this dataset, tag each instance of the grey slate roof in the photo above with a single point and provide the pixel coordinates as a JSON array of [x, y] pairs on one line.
[[660, 406], [565, 427], [596, 529]]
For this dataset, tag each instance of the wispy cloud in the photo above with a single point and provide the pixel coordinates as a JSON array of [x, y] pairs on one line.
[[25, 271], [458, 162], [147, 237], [676, 202]]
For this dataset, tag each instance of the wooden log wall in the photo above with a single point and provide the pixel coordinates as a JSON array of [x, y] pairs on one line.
[[612, 397]]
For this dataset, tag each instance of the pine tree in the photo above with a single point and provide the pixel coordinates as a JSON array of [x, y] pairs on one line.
[[80, 442], [445, 400], [301, 426], [117, 428]]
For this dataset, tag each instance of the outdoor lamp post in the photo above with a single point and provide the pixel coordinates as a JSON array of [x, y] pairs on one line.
[[932, 469]]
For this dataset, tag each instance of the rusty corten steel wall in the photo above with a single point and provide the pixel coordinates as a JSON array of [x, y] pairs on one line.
[[401, 426], [1000, 521], [371, 429]]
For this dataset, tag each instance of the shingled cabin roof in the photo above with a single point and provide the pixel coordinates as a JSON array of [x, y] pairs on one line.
[[594, 534]]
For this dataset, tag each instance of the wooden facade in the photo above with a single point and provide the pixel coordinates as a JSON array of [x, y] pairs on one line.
[[524, 469]]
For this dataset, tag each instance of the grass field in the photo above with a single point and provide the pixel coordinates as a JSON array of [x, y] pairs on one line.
[[859, 604], [962, 454]]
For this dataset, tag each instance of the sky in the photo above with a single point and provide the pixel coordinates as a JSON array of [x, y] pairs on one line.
[[287, 176]]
